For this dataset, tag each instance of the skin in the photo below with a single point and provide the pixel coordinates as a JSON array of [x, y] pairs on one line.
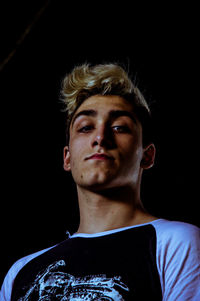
[[108, 187]]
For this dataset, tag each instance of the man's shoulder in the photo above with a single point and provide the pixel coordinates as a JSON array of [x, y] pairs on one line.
[[20, 263], [178, 249], [176, 235], [14, 270], [176, 229]]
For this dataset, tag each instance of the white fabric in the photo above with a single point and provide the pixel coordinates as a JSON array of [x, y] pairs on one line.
[[177, 258]]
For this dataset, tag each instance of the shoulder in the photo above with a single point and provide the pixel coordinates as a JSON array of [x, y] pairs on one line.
[[178, 258], [176, 231], [7, 285], [176, 239]]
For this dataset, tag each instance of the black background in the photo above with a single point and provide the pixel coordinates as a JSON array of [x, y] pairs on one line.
[[160, 46]]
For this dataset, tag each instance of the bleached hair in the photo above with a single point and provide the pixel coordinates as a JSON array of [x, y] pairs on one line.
[[103, 79]]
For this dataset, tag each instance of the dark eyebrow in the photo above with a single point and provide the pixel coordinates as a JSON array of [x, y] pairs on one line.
[[112, 114], [84, 113], [118, 113]]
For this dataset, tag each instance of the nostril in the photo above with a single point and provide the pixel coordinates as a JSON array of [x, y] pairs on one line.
[[104, 137], [95, 143]]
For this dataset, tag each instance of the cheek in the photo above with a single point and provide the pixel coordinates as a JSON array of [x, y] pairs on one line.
[[131, 145], [75, 146], [134, 156], [131, 154], [77, 151]]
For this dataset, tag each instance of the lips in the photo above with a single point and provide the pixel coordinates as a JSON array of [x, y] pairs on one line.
[[99, 156]]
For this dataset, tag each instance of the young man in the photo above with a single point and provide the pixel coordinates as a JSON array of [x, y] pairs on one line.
[[120, 251]]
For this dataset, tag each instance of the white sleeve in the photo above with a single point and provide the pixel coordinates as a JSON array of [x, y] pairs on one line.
[[178, 261], [6, 289]]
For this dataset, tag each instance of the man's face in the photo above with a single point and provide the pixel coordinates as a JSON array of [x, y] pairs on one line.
[[105, 147]]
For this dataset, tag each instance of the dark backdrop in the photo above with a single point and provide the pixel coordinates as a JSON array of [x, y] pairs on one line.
[[159, 45]]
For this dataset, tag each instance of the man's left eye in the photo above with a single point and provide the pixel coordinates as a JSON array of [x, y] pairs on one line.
[[121, 128]]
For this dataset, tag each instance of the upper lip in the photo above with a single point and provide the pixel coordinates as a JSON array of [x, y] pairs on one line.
[[99, 155]]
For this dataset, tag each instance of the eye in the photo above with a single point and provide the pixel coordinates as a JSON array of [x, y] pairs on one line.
[[85, 129], [121, 129]]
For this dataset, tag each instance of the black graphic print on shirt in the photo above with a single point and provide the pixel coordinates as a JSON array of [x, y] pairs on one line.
[[52, 284]]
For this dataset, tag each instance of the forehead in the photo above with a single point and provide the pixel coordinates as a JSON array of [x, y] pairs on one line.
[[106, 103]]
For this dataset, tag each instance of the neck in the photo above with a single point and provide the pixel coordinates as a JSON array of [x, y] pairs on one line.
[[110, 209]]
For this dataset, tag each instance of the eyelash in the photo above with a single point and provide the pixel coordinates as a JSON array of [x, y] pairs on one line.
[[85, 129], [122, 128]]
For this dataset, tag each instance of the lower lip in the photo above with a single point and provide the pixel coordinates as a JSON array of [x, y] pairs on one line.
[[99, 158]]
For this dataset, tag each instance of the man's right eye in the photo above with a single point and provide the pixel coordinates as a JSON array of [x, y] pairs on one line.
[[85, 129]]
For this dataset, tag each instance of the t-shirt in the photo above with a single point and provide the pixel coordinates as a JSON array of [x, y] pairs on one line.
[[159, 260]]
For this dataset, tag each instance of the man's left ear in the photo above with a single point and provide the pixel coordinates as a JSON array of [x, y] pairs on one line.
[[148, 156]]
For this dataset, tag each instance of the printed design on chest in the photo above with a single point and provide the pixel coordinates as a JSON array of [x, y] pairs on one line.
[[54, 284]]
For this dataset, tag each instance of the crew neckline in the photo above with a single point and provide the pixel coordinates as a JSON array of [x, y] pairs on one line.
[[108, 232]]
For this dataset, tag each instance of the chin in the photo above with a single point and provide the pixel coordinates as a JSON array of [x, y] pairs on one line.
[[96, 182]]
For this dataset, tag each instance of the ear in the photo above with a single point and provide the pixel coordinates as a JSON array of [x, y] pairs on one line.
[[148, 156], [66, 159]]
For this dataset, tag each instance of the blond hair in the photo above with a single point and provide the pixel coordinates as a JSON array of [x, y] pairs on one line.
[[103, 79]]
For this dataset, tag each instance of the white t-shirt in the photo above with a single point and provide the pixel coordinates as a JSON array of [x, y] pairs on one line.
[[177, 258]]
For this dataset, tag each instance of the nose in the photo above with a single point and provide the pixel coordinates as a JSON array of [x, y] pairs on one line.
[[103, 137]]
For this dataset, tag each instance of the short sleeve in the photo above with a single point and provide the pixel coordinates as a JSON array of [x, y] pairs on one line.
[[6, 289], [178, 261]]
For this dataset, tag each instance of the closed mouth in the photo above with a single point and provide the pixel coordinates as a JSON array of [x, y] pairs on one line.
[[100, 157]]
